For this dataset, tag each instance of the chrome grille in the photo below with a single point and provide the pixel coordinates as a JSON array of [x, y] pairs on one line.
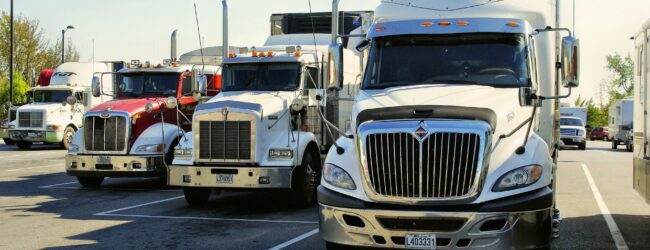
[[105, 134], [225, 140], [30, 119], [569, 132], [443, 165]]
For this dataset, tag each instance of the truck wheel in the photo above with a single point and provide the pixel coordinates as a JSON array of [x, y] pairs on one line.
[[90, 182], [582, 146], [24, 145], [304, 182], [67, 137], [196, 196], [334, 246], [9, 141], [614, 144], [628, 147]]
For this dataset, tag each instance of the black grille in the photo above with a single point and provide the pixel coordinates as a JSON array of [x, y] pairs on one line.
[[447, 167], [426, 225], [105, 134], [30, 119], [225, 140]]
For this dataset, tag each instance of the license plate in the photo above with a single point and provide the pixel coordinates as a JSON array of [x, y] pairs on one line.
[[420, 241], [224, 178], [31, 134], [103, 160]]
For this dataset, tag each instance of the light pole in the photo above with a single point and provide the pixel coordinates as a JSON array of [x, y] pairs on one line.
[[70, 27], [11, 54]]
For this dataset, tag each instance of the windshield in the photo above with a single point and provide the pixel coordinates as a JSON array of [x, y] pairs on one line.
[[261, 77], [57, 96], [571, 122], [492, 59], [148, 84]]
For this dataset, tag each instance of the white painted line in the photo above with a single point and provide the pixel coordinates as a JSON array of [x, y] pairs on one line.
[[203, 218], [117, 189], [141, 205], [613, 228], [56, 185], [46, 166], [294, 240]]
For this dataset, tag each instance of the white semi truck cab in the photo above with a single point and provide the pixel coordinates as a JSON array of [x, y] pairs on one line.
[[54, 112], [454, 131]]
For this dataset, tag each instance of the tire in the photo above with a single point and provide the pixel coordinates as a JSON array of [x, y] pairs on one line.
[[629, 147], [196, 196], [90, 182], [605, 138], [24, 145], [67, 137], [582, 146], [614, 144], [9, 141], [334, 246], [304, 182]]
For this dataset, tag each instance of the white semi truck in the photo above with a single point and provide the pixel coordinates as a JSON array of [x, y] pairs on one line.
[[454, 133], [54, 112], [621, 118], [641, 127], [265, 129]]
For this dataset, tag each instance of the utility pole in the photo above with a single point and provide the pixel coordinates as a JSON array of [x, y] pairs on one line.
[[11, 53], [63, 42]]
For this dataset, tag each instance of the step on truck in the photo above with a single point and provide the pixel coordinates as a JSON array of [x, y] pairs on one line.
[[641, 127], [134, 135], [54, 112], [265, 130], [455, 129]]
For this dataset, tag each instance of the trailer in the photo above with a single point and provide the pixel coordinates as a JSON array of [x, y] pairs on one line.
[[440, 153], [641, 123], [621, 117]]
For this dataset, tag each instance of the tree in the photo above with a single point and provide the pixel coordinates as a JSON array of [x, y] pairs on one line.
[[621, 81], [21, 87], [596, 115]]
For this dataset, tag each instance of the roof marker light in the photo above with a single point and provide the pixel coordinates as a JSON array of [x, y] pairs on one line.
[[269, 54], [462, 23], [231, 55], [380, 28], [427, 24], [444, 23], [298, 53], [513, 24]]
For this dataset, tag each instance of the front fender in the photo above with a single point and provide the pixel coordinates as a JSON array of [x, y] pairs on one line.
[[348, 161], [298, 142], [153, 135]]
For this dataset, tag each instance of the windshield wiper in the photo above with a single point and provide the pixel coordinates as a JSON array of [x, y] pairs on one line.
[[458, 81]]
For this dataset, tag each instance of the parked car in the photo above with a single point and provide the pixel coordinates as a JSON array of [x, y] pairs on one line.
[[599, 133]]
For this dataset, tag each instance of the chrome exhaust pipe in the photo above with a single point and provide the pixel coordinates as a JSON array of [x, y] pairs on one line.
[[225, 50]]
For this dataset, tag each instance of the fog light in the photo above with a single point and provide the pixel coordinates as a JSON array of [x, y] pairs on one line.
[[137, 165], [187, 178], [265, 180], [73, 165]]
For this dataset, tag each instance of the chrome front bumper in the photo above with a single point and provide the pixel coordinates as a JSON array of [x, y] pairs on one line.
[[229, 177], [36, 135], [115, 166], [363, 227]]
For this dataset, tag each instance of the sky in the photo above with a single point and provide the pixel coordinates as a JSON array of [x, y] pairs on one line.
[[128, 29]]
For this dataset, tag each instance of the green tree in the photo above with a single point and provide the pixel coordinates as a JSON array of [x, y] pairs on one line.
[[621, 81], [21, 87], [596, 115]]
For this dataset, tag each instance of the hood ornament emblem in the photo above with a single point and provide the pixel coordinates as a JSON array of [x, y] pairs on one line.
[[224, 112], [421, 131], [105, 115]]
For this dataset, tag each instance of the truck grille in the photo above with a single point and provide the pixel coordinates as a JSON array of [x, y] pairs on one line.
[[225, 140], [30, 119], [444, 165], [105, 134], [568, 132]]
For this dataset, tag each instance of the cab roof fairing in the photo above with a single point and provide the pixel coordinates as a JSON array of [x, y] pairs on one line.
[[476, 25], [208, 69], [307, 57]]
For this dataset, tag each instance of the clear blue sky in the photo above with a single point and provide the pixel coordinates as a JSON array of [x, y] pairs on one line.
[[140, 29]]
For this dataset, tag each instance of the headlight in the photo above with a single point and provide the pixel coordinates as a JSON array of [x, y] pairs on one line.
[[53, 127], [183, 152], [581, 132], [12, 126], [336, 176], [150, 148], [518, 178], [73, 148], [281, 154]]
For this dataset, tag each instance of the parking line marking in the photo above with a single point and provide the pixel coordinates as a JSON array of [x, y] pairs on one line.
[[204, 218], [46, 166], [137, 206], [611, 224], [56, 185], [294, 240], [116, 189]]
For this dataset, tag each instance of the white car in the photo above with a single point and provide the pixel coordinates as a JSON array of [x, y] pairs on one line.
[[573, 132]]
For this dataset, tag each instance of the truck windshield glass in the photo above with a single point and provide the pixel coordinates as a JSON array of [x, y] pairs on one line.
[[491, 59], [261, 77], [148, 84], [571, 122], [57, 96]]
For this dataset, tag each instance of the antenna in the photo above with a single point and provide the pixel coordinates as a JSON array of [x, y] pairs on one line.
[[313, 29], [198, 28]]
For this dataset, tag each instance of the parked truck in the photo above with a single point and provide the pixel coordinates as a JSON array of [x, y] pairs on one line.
[[441, 153], [578, 112], [134, 135], [621, 118], [53, 113], [641, 130], [266, 130], [573, 132]]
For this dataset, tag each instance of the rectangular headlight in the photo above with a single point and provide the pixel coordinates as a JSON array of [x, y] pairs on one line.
[[281, 154], [183, 152]]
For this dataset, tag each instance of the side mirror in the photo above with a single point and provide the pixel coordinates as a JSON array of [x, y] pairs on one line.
[[335, 67], [526, 96], [171, 102], [96, 87], [71, 100], [363, 45], [570, 62], [199, 84]]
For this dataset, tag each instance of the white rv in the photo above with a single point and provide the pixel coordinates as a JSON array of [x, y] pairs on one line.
[[621, 117], [641, 127], [54, 112], [454, 134], [265, 130]]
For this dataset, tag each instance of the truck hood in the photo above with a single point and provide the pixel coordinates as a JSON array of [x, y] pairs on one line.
[[47, 107], [131, 106], [266, 103]]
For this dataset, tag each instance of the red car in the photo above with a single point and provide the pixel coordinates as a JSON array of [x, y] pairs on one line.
[[599, 133]]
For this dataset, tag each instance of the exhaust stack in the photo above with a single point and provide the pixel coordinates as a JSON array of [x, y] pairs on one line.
[[174, 46], [224, 48], [335, 20]]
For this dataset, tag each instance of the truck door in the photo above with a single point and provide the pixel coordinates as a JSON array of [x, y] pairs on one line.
[[186, 102]]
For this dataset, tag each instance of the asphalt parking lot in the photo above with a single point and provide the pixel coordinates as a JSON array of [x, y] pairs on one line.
[[42, 207]]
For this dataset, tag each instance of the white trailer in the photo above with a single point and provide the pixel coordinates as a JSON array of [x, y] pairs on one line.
[[575, 112], [621, 118], [442, 155], [54, 112], [641, 134]]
